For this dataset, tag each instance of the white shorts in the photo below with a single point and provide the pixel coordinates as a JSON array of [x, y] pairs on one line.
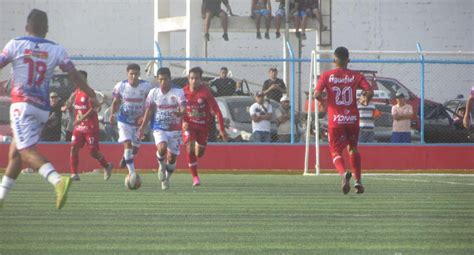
[[128, 132], [172, 138], [27, 122]]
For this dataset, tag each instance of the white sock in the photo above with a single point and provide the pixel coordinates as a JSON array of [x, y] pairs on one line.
[[161, 161], [128, 156], [7, 184], [169, 170], [49, 173]]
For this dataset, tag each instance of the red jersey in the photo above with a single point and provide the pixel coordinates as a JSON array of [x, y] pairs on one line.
[[82, 105], [341, 86], [199, 105]]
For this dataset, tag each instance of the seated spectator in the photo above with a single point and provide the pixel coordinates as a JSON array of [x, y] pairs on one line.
[[52, 129], [366, 119], [283, 118], [262, 8], [223, 85], [307, 9], [458, 118], [401, 114], [212, 8], [280, 13], [274, 87], [261, 114]]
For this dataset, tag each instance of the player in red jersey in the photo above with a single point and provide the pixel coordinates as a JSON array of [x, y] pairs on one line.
[[197, 120], [86, 130], [341, 85]]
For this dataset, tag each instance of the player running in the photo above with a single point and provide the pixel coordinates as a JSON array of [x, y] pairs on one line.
[[129, 101], [166, 104], [198, 118], [341, 85], [86, 130], [33, 61]]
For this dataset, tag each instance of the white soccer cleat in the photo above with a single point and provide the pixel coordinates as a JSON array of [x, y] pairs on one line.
[[161, 174], [165, 185]]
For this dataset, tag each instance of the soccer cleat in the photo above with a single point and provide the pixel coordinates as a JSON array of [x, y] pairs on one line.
[[122, 163], [108, 171], [161, 174], [196, 181], [359, 187], [75, 177], [61, 188], [165, 185], [226, 37], [267, 36], [259, 35], [346, 183]]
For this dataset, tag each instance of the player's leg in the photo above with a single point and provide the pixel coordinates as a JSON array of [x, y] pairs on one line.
[[127, 134], [161, 143], [354, 157], [268, 20], [93, 145], [337, 143], [189, 139], [77, 142], [207, 21], [258, 18], [174, 141], [225, 24], [11, 173]]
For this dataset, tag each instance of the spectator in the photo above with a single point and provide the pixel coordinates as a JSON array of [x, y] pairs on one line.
[[402, 114], [261, 114], [224, 86], [467, 114], [283, 118], [280, 13], [262, 8], [366, 119], [459, 117], [274, 87], [52, 129], [68, 109], [307, 9], [212, 8]]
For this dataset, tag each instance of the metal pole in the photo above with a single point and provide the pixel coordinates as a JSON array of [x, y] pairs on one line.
[[422, 93]]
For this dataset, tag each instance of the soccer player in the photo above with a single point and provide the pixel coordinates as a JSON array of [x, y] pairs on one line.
[[343, 116], [33, 61], [86, 130], [197, 119], [129, 103], [166, 104]]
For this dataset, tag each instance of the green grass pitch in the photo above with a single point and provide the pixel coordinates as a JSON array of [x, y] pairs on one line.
[[242, 214]]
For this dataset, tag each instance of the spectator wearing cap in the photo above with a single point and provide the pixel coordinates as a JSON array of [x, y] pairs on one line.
[[274, 88], [283, 118], [261, 113], [52, 130], [401, 114]]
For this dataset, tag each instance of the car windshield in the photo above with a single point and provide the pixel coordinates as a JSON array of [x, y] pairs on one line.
[[391, 87], [239, 110]]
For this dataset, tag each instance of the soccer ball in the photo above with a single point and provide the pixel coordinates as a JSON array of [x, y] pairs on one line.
[[133, 183]]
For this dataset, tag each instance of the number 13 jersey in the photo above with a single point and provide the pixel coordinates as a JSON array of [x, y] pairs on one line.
[[341, 86]]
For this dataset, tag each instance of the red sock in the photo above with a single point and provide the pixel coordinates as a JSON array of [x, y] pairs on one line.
[[192, 162], [73, 163], [103, 162], [356, 165], [338, 162]]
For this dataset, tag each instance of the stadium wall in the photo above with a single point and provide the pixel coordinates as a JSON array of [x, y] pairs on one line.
[[243, 157]]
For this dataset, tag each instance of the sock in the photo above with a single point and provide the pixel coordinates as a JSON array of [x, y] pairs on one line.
[[356, 165], [7, 184], [103, 162], [128, 156], [74, 163], [170, 169], [338, 162], [161, 161], [49, 173], [192, 163]]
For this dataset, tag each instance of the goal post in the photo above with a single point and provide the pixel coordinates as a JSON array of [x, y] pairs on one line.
[[311, 101]]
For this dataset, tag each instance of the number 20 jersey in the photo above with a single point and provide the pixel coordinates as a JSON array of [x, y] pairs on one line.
[[341, 86], [33, 61]]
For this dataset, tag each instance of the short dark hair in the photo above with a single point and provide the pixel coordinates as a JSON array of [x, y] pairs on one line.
[[163, 71], [133, 66], [196, 70], [342, 53], [273, 69], [38, 22], [83, 73], [224, 68]]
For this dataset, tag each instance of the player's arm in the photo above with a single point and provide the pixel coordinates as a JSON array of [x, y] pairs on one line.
[[146, 119], [467, 114], [77, 79], [215, 108], [69, 102], [94, 104], [114, 108]]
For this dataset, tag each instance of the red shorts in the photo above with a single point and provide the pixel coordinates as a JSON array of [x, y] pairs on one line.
[[80, 138], [200, 136], [340, 137]]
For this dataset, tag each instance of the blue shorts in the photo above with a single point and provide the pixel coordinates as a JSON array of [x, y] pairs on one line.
[[401, 137], [280, 12], [262, 12]]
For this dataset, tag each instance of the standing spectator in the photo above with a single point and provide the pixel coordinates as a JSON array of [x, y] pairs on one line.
[[164, 106], [224, 85], [283, 117], [30, 103], [459, 117], [212, 8], [467, 114], [307, 9], [197, 119], [52, 129], [86, 130], [129, 101], [261, 114], [341, 85], [274, 87], [401, 114], [68, 109], [366, 119], [262, 8], [280, 13]]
